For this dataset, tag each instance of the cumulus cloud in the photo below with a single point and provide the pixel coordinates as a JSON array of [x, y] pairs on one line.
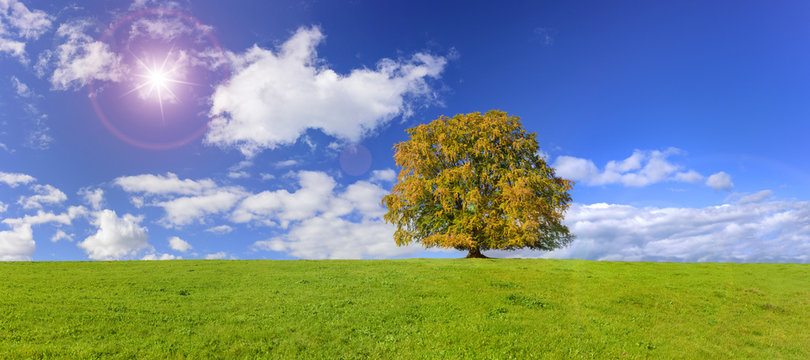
[[17, 244], [238, 175], [205, 197], [29, 24], [3, 207], [14, 179], [117, 237], [352, 214], [185, 210], [160, 257], [179, 244], [749, 230], [164, 184], [93, 197], [216, 256], [323, 221], [45, 194], [221, 229], [80, 58], [720, 181], [642, 168], [43, 217], [274, 97], [18, 23], [61, 235], [387, 175], [283, 206]]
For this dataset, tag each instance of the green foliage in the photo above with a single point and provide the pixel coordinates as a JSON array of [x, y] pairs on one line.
[[476, 182], [403, 309]]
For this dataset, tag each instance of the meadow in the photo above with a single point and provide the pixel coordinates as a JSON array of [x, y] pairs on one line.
[[408, 309]]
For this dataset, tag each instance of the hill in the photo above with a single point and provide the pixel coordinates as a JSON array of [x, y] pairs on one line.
[[403, 309]]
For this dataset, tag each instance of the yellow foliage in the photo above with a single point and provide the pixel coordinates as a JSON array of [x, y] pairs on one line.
[[475, 182]]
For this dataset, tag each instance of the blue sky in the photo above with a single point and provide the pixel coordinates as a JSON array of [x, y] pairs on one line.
[[264, 130]]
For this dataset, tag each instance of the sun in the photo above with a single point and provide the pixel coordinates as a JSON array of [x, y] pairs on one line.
[[157, 80]]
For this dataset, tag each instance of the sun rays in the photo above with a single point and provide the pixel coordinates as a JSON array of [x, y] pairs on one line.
[[158, 79]]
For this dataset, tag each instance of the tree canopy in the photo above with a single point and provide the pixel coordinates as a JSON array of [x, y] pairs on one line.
[[477, 182]]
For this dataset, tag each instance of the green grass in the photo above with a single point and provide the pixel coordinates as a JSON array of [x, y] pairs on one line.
[[403, 309]]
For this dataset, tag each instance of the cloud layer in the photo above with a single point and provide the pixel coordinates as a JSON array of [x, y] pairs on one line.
[[642, 168], [80, 58], [748, 230], [18, 24], [317, 220], [274, 97], [116, 237]]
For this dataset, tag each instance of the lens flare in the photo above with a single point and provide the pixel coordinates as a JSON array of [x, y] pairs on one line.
[[157, 80]]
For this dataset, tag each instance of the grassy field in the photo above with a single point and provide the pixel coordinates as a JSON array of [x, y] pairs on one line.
[[403, 309]]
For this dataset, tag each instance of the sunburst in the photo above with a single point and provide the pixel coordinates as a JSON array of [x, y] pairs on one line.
[[157, 79]]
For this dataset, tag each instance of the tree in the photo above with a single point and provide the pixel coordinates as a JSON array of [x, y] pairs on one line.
[[476, 182]]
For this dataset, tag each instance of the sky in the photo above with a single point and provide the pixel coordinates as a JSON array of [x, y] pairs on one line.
[[151, 130]]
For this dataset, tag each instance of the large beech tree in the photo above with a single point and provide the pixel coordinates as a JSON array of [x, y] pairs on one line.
[[477, 182]]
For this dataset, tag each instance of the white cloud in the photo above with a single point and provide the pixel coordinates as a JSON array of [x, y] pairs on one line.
[[749, 198], [690, 176], [366, 198], [332, 237], [3, 207], [81, 58], [159, 4], [282, 206], [46, 194], [642, 168], [42, 217], [29, 24], [720, 181], [752, 230], [273, 98], [216, 256], [286, 163], [14, 179], [266, 176], [116, 238], [577, 169], [136, 201], [17, 24], [164, 185], [162, 28], [179, 244], [206, 197], [61, 235], [322, 222], [387, 175], [238, 175], [21, 88], [94, 197], [221, 229], [184, 210], [160, 257], [13, 47], [17, 244]]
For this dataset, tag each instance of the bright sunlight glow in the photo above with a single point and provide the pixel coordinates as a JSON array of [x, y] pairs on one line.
[[157, 80]]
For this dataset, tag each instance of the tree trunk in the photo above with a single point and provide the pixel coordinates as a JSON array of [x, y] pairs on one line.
[[475, 253]]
